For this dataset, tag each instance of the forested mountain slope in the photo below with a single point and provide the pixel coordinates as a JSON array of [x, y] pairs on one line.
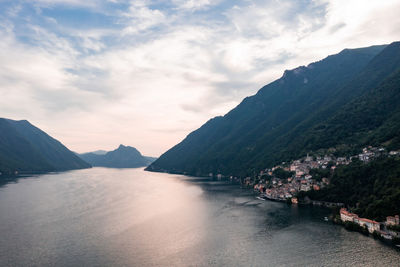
[[344, 101], [25, 148]]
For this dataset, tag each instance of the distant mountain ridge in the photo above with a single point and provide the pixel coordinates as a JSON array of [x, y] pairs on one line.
[[99, 152], [25, 148], [122, 157], [344, 102]]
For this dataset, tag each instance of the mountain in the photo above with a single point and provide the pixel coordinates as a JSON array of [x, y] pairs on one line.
[[100, 152], [25, 148], [122, 157], [340, 103]]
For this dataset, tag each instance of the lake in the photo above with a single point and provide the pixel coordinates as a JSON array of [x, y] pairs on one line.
[[129, 217]]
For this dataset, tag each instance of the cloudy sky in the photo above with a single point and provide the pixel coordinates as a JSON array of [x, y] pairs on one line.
[[98, 73]]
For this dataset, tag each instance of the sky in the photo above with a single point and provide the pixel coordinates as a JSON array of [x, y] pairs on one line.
[[98, 73]]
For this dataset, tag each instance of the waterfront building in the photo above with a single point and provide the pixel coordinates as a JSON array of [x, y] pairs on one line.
[[370, 224], [392, 220], [347, 216]]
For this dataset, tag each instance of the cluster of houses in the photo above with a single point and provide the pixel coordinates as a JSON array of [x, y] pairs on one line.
[[282, 189], [302, 166], [369, 153], [301, 180], [279, 189], [372, 226]]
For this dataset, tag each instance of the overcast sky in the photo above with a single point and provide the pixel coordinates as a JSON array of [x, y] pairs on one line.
[[98, 73]]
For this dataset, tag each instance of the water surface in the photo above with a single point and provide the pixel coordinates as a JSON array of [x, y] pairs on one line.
[[129, 217]]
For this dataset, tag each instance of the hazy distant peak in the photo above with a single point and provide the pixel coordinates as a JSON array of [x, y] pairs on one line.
[[100, 152], [122, 157], [126, 148]]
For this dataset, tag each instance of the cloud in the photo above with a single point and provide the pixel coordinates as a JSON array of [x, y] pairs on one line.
[[146, 73], [193, 4], [141, 17], [52, 3]]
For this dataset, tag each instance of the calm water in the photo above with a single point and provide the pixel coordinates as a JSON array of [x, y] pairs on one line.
[[112, 217]]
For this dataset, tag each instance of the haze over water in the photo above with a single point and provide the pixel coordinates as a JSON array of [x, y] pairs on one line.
[[129, 217]]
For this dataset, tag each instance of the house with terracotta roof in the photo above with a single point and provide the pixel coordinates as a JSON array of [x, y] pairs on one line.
[[370, 224], [347, 216], [392, 220]]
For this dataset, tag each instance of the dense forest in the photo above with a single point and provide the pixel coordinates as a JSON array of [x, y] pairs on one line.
[[371, 190], [341, 104]]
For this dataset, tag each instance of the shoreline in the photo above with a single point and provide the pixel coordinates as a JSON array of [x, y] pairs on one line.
[[334, 218]]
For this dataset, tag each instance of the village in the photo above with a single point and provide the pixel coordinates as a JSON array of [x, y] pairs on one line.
[[285, 181]]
